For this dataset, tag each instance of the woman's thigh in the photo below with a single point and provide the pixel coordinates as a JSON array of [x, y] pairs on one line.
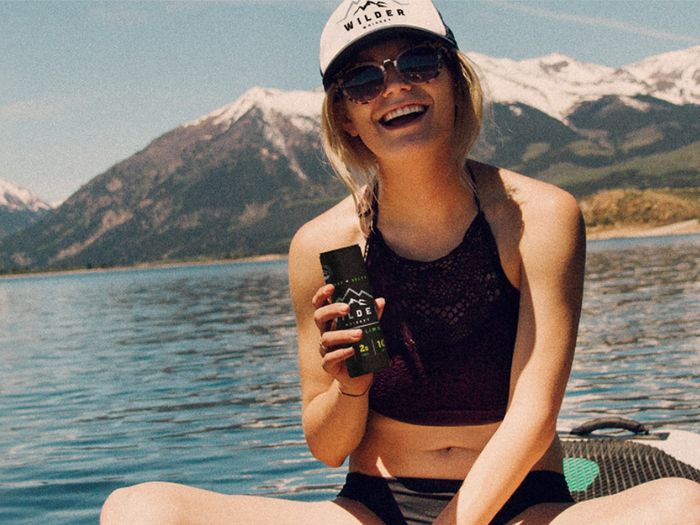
[[669, 501], [160, 503]]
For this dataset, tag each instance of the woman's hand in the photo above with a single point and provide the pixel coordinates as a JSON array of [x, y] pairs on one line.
[[335, 346]]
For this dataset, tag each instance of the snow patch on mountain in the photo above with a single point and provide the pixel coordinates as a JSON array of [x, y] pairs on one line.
[[634, 103], [16, 198], [674, 76], [299, 105]]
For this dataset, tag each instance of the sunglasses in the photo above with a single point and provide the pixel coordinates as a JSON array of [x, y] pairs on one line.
[[364, 82]]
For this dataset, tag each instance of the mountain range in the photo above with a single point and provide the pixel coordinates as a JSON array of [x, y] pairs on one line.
[[557, 85], [240, 180]]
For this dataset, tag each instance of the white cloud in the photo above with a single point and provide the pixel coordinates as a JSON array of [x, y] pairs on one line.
[[42, 108], [33, 109], [119, 13], [596, 21]]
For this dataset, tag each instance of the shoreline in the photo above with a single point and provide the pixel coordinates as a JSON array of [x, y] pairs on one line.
[[154, 265], [642, 230], [594, 234]]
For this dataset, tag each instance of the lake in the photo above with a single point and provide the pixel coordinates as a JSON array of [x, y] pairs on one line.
[[188, 374]]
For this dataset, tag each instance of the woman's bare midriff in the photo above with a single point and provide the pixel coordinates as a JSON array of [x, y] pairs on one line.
[[391, 448]]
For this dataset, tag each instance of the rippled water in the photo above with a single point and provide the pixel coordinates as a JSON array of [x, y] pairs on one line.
[[638, 351], [189, 375]]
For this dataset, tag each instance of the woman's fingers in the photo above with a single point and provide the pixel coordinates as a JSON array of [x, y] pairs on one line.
[[322, 295], [325, 315], [333, 361], [325, 311], [335, 339], [380, 303]]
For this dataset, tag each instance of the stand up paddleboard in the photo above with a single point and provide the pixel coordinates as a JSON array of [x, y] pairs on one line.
[[624, 455]]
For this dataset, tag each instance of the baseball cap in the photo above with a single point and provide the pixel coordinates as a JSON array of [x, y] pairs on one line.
[[357, 23]]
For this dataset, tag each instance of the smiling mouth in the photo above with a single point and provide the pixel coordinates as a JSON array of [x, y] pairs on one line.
[[402, 116]]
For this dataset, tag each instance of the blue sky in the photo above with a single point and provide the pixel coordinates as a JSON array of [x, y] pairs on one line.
[[86, 84]]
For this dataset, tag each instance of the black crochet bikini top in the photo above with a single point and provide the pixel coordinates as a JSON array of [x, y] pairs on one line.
[[450, 328]]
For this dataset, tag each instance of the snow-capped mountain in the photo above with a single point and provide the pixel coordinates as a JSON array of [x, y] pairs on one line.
[[240, 180], [674, 76], [278, 110], [557, 85], [235, 182], [16, 198], [554, 84], [19, 207], [303, 106]]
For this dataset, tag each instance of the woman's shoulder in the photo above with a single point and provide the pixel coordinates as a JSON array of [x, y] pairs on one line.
[[528, 218], [334, 228], [511, 197], [546, 209]]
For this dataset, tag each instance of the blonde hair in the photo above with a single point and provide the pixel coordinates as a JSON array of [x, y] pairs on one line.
[[357, 166]]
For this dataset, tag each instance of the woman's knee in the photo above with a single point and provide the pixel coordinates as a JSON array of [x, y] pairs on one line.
[[153, 503], [678, 499]]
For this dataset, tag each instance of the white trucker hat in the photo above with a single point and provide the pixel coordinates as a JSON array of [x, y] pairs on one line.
[[356, 23]]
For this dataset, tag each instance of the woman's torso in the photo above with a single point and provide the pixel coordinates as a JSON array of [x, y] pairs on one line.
[[393, 448]]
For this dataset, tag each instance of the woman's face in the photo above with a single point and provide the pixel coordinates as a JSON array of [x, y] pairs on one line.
[[405, 118]]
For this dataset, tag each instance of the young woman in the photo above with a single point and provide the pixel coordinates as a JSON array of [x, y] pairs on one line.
[[479, 275]]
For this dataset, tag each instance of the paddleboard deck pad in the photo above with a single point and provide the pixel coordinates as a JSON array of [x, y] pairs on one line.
[[602, 464]]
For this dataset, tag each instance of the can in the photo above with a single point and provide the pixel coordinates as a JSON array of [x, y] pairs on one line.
[[345, 269]]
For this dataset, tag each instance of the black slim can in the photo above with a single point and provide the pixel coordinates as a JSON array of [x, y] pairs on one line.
[[345, 269]]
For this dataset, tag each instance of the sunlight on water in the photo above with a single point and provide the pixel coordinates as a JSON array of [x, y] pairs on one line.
[[189, 375]]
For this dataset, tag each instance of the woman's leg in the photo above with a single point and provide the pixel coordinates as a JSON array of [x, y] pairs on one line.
[[172, 504], [670, 501]]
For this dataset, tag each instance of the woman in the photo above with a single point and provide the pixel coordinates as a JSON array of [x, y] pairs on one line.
[[479, 271]]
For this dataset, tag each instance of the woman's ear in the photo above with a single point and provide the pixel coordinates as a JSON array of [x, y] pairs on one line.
[[347, 124], [349, 127]]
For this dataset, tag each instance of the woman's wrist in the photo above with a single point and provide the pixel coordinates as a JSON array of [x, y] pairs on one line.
[[351, 394]]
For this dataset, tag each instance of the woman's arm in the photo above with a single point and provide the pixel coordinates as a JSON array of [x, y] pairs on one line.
[[552, 253], [334, 405]]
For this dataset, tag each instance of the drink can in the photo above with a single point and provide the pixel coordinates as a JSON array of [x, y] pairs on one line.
[[345, 269]]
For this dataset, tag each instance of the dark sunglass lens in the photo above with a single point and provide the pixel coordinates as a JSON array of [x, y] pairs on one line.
[[363, 83], [420, 64]]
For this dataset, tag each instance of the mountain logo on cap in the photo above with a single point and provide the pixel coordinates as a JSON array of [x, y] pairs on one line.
[[368, 4], [361, 15]]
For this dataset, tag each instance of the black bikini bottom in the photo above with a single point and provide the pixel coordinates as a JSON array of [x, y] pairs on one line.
[[408, 501]]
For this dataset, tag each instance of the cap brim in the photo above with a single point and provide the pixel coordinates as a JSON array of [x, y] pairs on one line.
[[345, 56]]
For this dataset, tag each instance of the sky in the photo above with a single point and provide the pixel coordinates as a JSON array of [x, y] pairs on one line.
[[84, 85]]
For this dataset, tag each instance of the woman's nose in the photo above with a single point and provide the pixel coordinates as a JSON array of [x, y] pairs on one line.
[[394, 81]]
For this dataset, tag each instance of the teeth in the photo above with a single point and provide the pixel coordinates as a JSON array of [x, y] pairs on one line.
[[406, 110]]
